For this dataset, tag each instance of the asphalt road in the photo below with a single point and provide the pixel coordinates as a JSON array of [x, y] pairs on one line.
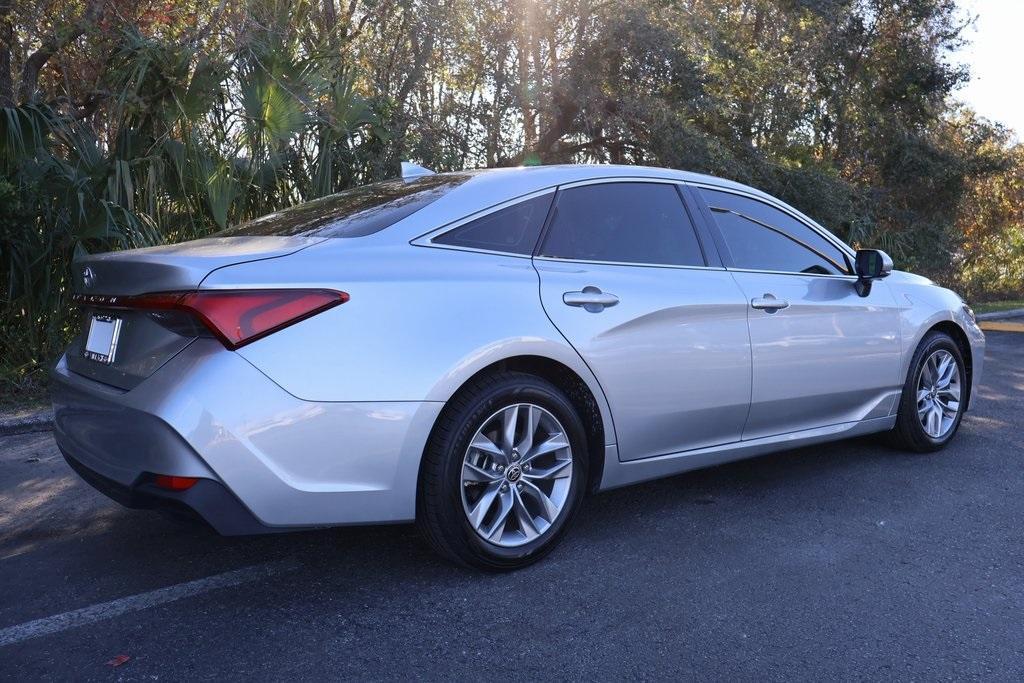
[[843, 561]]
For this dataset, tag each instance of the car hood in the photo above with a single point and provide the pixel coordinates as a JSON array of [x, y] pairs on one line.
[[903, 277]]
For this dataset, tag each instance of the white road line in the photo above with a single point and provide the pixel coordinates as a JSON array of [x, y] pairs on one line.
[[134, 603]]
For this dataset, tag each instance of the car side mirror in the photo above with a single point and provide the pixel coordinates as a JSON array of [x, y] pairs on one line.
[[871, 265]]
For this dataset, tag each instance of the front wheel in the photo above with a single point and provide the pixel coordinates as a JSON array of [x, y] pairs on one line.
[[503, 474], [933, 399]]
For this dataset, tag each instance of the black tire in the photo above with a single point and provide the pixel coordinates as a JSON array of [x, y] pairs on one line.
[[909, 434], [440, 516]]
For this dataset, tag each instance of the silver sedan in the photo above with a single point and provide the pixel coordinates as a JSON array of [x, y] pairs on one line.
[[476, 351]]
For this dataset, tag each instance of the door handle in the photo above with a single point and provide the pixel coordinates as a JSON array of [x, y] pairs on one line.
[[591, 299], [769, 303]]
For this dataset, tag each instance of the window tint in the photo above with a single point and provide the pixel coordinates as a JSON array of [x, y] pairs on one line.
[[624, 222], [761, 237], [353, 213], [514, 229]]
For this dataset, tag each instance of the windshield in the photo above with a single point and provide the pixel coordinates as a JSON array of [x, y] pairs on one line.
[[352, 213]]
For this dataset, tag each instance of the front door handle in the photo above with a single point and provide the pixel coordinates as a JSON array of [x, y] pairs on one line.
[[591, 299], [769, 303]]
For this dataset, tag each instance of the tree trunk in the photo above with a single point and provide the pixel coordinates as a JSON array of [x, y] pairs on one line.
[[748, 104], [330, 15], [6, 42], [538, 68], [525, 104]]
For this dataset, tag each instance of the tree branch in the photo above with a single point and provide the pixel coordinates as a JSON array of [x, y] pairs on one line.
[[214, 22], [37, 60]]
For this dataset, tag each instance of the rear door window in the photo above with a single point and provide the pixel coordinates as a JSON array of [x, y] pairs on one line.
[[635, 222]]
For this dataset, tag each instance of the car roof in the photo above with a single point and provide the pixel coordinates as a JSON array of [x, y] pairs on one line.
[[535, 178], [486, 188]]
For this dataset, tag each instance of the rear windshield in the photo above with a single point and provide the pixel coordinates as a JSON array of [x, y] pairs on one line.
[[352, 213]]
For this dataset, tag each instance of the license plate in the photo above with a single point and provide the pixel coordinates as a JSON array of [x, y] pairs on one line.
[[101, 343]]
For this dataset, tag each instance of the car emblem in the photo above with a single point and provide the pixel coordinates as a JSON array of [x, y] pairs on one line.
[[88, 277], [513, 473]]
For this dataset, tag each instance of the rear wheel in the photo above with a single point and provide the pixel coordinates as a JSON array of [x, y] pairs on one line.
[[503, 474], [934, 395]]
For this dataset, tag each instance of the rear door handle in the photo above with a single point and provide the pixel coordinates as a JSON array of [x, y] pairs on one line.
[[591, 299], [769, 303]]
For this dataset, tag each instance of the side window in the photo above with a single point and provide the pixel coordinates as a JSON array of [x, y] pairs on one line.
[[623, 222], [760, 237], [514, 229]]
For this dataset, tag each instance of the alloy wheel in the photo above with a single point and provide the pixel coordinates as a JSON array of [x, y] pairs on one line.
[[938, 393], [516, 475]]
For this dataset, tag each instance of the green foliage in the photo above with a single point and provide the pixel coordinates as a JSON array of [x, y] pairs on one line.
[[162, 125], [189, 142]]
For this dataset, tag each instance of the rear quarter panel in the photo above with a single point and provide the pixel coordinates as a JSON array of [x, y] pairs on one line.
[[419, 323]]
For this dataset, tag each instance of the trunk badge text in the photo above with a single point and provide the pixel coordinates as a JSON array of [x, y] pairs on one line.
[[94, 299]]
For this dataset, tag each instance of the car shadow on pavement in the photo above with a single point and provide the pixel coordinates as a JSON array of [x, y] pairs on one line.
[[52, 508]]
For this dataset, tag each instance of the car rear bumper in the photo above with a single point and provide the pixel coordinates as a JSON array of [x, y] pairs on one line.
[[208, 499], [266, 460]]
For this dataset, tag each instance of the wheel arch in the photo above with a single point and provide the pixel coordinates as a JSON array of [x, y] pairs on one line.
[[959, 336], [590, 404]]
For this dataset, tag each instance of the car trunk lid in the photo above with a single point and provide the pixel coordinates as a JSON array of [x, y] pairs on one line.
[[174, 267], [120, 346]]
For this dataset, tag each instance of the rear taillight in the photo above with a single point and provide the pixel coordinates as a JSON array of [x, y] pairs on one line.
[[236, 317], [240, 317]]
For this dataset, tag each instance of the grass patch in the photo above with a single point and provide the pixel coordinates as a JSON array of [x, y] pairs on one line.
[[993, 306], [26, 395]]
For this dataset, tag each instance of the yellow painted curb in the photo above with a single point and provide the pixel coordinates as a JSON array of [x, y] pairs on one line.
[[994, 326]]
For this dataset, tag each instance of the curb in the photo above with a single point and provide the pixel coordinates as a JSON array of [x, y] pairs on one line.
[[27, 422], [998, 315]]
